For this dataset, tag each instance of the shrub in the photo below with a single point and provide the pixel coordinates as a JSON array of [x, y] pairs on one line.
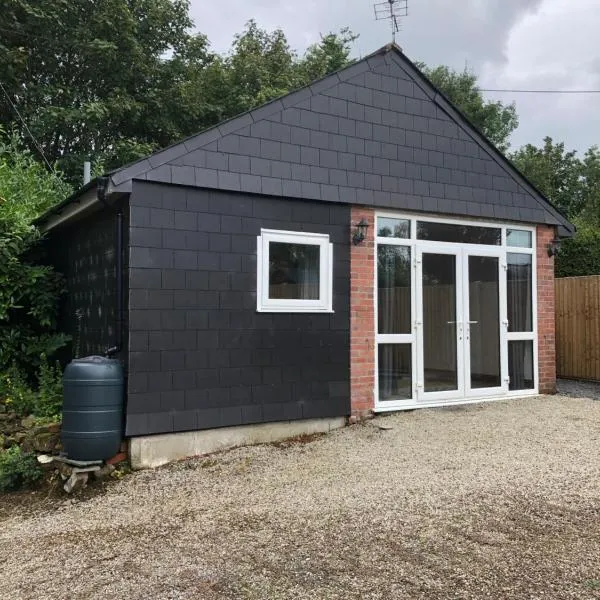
[[29, 291], [15, 392], [44, 403], [49, 397], [580, 255], [18, 469]]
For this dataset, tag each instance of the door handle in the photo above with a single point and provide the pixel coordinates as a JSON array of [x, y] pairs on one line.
[[472, 322]]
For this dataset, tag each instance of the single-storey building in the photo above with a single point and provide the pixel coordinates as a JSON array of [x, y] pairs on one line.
[[354, 246]]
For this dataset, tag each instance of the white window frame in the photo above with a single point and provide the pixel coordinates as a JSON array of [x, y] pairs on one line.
[[285, 305]]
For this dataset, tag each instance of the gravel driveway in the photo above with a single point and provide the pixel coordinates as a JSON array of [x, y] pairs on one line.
[[498, 500]]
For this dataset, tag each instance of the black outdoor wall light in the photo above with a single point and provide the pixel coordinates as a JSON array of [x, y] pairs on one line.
[[554, 247], [360, 233]]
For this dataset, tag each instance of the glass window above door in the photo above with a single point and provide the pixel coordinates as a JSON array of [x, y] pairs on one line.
[[518, 238], [461, 234], [390, 227]]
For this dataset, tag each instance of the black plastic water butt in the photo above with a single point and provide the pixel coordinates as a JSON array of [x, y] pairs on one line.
[[92, 427]]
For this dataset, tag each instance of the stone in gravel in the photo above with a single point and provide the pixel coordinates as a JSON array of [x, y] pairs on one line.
[[104, 472], [384, 426], [76, 482]]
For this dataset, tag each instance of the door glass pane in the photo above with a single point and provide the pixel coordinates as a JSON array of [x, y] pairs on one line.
[[484, 321], [520, 365], [388, 227], [519, 292], [395, 372], [439, 322], [393, 289], [294, 271], [464, 234], [518, 238]]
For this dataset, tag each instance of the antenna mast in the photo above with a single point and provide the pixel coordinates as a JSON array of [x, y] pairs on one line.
[[391, 10]]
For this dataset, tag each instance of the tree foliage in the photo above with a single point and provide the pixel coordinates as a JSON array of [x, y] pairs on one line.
[[115, 79], [569, 182], [494, 119], [29, 290]]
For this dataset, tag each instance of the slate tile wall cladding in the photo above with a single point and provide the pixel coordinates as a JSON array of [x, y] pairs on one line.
[[85, 254], [376, 138], [200, 354]]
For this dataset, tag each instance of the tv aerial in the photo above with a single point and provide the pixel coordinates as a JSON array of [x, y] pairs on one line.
[[392, 11]]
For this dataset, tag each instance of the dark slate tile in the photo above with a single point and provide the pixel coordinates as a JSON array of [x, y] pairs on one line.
[[430, 204], [310, 156], [301, 172], [330, 193], [185, 220], [372, 114], [182, 175], [151, 258], [185, 420], [206, 177], [251, 183], [338, 177], [144, 278], [146, 237], [160, 217], [356, 111], [239, 164], [260, 166], [229, 181], [436, 190], [356, 146], [272, 186], [292, 188]]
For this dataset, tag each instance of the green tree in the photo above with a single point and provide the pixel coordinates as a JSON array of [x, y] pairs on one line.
[[558, 174], [494, 119], [113, 80], [99, 77]]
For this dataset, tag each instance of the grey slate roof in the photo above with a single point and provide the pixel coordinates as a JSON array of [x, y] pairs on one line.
[[375, 133]]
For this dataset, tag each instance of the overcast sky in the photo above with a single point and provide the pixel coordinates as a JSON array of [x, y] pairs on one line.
[[538, 44]]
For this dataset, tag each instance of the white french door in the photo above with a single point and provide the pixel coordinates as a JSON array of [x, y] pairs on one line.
[[460, 325]]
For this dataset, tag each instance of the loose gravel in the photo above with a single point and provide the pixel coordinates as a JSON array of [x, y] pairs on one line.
[[497, 500], [579, 389]]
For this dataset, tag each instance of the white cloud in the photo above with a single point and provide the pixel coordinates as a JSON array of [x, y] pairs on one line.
[[554, 48]]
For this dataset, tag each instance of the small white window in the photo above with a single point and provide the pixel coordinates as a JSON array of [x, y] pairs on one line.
[[294, 272]]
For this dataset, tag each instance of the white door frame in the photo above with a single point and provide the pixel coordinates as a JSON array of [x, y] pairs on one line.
[[423, 396], [500, 254], [476, 395]]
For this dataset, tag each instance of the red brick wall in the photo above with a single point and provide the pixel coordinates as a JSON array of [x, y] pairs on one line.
[[546, 325], [362, 317]]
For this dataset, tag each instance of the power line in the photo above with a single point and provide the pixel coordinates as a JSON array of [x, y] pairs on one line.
[[541, 91], [26, 128]]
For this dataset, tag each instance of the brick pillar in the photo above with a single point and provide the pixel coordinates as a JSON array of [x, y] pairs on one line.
[[362, 317], [545, 307]]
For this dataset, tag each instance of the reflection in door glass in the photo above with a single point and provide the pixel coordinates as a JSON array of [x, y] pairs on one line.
[[520, 365], [393, 289], [395, 372], [519, 292], [483, 326], [439, 322]]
